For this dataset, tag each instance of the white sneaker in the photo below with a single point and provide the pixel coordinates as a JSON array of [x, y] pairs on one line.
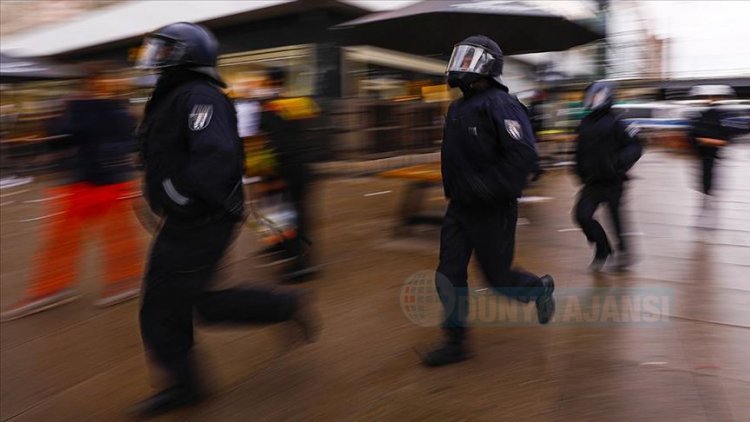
[[27, 307], [112, 296]]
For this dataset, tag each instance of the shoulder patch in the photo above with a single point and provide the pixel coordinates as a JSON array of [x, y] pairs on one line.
[[513, 127], [200, 116]]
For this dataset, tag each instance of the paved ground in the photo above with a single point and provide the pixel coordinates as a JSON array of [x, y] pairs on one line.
[[79, 363]]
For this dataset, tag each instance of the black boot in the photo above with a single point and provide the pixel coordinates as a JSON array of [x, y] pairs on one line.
[[623, 261], [545, 302], [166, 400], [306, 318], [300, 271], [452, 351], [600, 258]]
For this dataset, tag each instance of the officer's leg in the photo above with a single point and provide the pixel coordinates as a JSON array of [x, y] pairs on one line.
[[708, 172], [493, 236], [183, 261], [166, 314], [708, 213], [614, 203], [452, 287], [245, 306], [249, 306], [299, 184], [614, 206], [588, 201]]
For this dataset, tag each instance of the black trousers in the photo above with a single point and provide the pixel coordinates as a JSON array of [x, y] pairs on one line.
[[298, 180], [589, 200], [708, 173], [489, 232], [181, 266]]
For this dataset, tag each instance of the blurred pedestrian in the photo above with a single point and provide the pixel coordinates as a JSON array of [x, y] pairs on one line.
[[99, 125], [709, 134], [193, 161], [248, 111], [606, 149], [487, 155], [288, 123]]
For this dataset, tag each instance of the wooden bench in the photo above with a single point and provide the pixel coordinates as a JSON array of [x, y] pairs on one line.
[[420, 179]]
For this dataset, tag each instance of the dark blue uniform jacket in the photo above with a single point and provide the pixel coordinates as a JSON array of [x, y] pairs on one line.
[[488, 148], [605, 149], [191, 149]]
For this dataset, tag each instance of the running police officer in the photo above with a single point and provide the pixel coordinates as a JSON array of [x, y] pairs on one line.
[[487, 154], [606, 149], [709, 134], [193, 162]]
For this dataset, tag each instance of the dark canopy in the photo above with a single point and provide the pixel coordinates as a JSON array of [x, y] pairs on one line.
[[433, 27]]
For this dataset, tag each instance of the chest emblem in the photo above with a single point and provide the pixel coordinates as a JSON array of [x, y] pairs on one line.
[[200, 116], [514, 129]]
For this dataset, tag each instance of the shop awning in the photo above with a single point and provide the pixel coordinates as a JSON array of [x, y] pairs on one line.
[[127, 21], [434, 26]]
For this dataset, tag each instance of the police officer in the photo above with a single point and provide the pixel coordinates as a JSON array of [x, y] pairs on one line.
[[288, 122], [709, 134], [487, 154], [193, 162], [606, 149]]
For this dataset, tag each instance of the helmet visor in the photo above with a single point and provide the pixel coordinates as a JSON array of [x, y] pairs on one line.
[[597, 97], [471, 59], [156, 53]]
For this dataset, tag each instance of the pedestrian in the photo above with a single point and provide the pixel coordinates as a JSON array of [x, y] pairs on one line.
[[487, 155], [98, 125], [193, 160], [709, 134], [606, 148], [288, 123]]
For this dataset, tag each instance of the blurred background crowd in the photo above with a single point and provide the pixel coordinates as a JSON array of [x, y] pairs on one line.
[[381, 101]]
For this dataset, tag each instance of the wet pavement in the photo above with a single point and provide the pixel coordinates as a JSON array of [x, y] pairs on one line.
[[81, 363]]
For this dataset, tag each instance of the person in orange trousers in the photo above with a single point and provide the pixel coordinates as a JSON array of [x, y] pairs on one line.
[[100, 198]]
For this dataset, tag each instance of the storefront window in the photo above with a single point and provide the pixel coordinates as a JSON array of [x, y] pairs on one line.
[[248, 68]]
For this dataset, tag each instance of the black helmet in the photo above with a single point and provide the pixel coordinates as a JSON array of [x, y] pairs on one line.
[[181, 44], [599, 95], [476, 55]]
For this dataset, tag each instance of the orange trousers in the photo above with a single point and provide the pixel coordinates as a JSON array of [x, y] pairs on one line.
[[75, 208]]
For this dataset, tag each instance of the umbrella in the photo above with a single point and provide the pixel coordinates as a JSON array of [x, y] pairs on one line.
[[435, 26], [20, 69]]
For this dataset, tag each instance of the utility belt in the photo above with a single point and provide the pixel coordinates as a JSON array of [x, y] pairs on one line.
[[233, 210], [182, 221]]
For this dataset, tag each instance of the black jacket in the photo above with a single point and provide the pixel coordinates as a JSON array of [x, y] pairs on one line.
[[605, 149], [488, 148], [102, 130], [288, 123], [709, 124], [192, 153]]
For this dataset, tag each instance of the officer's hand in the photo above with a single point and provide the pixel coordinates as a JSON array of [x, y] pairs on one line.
[[711, 142]]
